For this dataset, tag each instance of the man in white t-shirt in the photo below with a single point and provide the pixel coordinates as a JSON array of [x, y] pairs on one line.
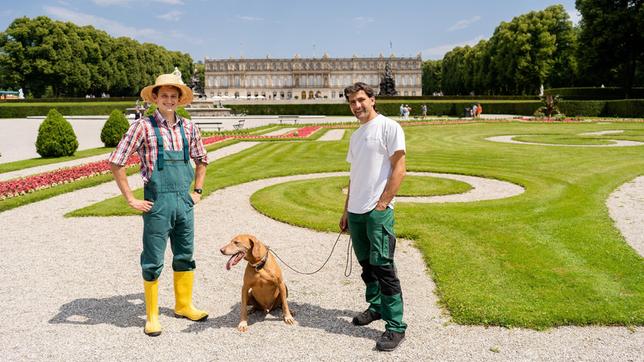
[[377, 158]]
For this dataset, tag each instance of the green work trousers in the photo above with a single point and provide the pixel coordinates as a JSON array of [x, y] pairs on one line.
[[374, 243]]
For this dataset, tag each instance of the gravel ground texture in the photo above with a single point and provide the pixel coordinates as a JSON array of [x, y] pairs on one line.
[[73, 291]]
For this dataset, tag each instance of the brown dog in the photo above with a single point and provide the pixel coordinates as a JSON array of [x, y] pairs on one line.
[[264, 287]]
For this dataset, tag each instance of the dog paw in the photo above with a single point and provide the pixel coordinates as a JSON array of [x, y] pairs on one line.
[[289, 320], [242, 326]]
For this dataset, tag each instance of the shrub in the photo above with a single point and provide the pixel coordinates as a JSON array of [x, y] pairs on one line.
[[56, 136], [550, 107], [582, 108], [26, 109], [114, 128], [624, 108], [595, 93]]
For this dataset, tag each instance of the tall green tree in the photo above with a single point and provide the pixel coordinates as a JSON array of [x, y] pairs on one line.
[[533, 49], [432, 75], [612, 41], [53, 58]]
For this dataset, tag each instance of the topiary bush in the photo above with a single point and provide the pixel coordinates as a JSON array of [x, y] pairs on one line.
[[56, 137], [114, 128]]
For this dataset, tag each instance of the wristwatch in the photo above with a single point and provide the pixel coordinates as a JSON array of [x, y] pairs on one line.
[[199, 191]]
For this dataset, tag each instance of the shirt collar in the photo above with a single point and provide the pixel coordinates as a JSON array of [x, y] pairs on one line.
[[161, 120]]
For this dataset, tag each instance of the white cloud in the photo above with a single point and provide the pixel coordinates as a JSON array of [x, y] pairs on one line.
[[170, 2], [127, 2], [111, 2], [438, 52], [361, 21], [462, 24], [249, 18], [113, 27], [173, 15]]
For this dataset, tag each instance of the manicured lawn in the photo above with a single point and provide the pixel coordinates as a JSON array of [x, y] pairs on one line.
[[548, 257], [19, 165], [572, 139]]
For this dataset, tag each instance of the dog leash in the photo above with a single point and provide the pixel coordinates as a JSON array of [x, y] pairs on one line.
[[348, 265]]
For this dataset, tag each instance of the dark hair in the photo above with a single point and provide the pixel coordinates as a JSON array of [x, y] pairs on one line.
[[155, 90], [357, 87]]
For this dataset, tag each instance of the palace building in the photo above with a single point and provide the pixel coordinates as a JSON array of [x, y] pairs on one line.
[[307, 78]]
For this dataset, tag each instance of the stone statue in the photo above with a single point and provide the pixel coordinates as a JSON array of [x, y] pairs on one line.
[[21, 95], [177, 72], [388, 84], [195, 84]]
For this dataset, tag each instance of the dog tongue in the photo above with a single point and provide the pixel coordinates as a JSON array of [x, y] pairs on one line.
[[234, 260]]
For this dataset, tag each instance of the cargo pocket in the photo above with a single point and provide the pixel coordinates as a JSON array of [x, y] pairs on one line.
[[382, 238]]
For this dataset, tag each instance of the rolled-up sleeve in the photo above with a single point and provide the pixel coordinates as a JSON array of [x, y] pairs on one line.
[[131, 141], [197, 149]]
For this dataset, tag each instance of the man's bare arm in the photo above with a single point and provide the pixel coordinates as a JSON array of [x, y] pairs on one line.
[[345, 214], [395, 179], [200, 176]]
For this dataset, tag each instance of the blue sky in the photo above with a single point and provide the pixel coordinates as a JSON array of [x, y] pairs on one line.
[[281, 29]]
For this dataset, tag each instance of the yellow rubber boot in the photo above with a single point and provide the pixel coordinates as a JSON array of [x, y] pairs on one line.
[[152, 325], [183, 296]]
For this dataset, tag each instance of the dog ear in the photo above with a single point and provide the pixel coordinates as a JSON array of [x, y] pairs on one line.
[[255, 247]]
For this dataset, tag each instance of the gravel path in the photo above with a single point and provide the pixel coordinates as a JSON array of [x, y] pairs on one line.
[[626, 208], [332, 135], [18, 136], [74, 292]]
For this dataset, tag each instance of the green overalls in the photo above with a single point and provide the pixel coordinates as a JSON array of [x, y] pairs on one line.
[[172, 214]]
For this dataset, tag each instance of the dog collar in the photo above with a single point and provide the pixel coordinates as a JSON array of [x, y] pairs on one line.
[[260, 264]]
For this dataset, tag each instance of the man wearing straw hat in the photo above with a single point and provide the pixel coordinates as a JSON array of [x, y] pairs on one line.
[[165, 143]]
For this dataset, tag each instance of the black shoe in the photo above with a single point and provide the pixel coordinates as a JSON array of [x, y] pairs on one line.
[[365, 318], [389, 341]]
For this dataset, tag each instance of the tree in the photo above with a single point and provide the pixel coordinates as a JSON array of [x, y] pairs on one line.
[[54, 58], [533, 49], [432, 75], [612, 34]]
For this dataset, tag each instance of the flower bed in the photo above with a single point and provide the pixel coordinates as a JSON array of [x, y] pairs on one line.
[[303, 132], [21, 186]]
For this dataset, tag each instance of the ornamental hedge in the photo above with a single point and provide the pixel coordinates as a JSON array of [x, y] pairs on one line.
[[602, 108], [23, 109], [56, 137], [594, 93], [616, 108], [114, 128]]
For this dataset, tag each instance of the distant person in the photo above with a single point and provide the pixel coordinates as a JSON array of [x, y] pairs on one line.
[[402, 110], [165, 143], [423, 110], [138, 110], [406, 110], [479, 110], [377, 157], [473, 111]]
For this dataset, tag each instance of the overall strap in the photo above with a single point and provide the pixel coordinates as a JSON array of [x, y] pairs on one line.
[[186, 155], [160, 159]]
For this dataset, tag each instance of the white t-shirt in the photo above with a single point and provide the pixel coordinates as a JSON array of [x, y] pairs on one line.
[[369, 151]]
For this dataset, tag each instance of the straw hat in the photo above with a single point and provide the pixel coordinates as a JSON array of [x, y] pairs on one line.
[[172, 79]]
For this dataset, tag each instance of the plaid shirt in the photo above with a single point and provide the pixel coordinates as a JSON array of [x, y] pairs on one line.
[[140, 137]]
